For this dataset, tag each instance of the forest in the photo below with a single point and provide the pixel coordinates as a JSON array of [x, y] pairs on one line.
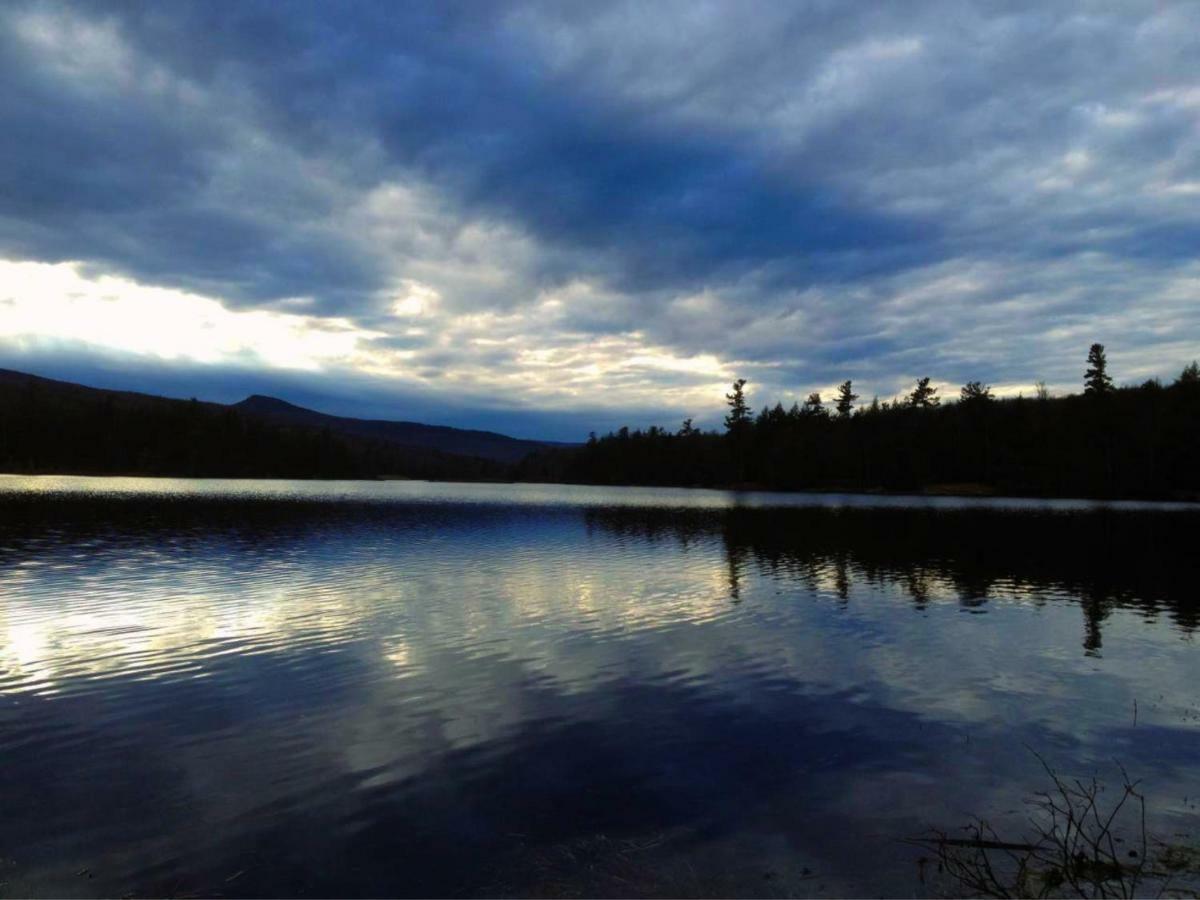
[[1138, 441]]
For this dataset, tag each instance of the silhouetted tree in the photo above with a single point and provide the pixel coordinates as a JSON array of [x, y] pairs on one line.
[[975, 392], [1041, 391], [686, 429], [845, 399], [738, 426], [772, 419], [813, 406], [738, 420], [1095, 380], [1190, 374], [923, 396]]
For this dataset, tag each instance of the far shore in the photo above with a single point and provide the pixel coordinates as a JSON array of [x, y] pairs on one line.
[[968, 490]]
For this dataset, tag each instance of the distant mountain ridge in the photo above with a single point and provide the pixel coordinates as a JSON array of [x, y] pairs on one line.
[[47, 425], [459, 441]]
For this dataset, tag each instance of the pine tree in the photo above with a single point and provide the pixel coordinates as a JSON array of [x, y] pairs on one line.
[[846, 398], [975, 392], [923, 396], [813, 406], [738, 419], [1095, 379]]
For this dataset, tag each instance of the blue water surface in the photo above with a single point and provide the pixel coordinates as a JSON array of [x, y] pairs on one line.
[[271, 688]]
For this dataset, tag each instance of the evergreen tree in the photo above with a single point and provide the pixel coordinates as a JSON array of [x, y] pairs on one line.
[[686, 429], [923, 396], [976, 392], [814, 407], [738, 420], [846, 398], [1095, 379], [1190, 374]]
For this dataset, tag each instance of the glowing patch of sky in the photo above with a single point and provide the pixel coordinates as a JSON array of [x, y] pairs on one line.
[[47, 305], [58, 303]]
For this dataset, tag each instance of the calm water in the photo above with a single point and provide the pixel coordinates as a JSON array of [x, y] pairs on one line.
[[279, 688]]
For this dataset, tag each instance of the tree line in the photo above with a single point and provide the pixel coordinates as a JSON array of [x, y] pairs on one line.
[[1108, 441]]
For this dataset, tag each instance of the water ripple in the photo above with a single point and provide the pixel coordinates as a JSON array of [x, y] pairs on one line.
[[401, 688]]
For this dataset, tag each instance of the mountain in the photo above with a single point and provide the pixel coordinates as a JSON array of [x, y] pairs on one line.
[[459, 441], [60, 427], [51, 390]]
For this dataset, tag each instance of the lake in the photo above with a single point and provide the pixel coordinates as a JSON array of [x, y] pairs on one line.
[[404, 688]]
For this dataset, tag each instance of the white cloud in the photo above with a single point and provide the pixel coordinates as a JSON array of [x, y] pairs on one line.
[[58, 303]]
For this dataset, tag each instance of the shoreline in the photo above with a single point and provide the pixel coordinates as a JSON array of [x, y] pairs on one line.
[[973, 491]]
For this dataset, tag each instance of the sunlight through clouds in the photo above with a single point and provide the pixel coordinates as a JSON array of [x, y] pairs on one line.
[[529, 351], [669, 202], [44, 303]]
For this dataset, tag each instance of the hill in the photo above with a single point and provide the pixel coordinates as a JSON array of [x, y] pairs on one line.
[[459, 441], [60, 427]]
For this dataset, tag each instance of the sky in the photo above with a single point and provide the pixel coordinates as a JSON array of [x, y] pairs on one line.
[[550, 218]]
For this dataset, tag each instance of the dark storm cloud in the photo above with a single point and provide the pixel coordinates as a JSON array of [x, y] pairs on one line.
[[651, 205], [120, 172], [806, 192]]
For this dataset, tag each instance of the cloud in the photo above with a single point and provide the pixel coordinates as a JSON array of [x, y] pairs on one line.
[[620, 206]]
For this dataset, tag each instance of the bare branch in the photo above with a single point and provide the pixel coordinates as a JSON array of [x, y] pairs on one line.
[[1074, 848]]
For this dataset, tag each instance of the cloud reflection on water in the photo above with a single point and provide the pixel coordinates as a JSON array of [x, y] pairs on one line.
[[438, 672]]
